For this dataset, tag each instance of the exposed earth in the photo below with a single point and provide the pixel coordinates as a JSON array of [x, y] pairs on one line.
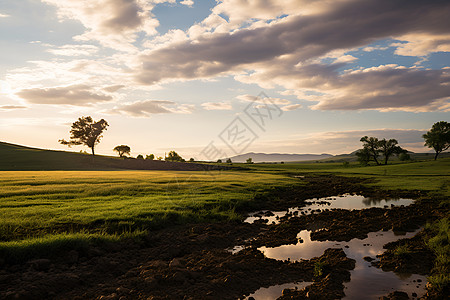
[[192, 261]]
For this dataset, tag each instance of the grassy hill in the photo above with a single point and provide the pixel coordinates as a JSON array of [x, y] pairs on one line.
[[21, 158]]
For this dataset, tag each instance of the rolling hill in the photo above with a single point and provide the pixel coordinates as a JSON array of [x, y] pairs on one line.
[[21, 158], [278, 157]]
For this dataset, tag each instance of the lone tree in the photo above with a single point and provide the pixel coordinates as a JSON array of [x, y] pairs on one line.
[[173, 156], [438, 137], [249, 160], [150, 157], [87, 132], [122, 150]]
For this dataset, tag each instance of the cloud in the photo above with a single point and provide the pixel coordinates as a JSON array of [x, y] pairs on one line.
[[422, 44], [114, 23], [4, 15], [11, 107], [217, 106], [74, 50], [281, 52], [251, 98], [149, 107], [187, 2], [346, 25], [291, 107], [76, 95], [374, 48], [387, 88], [113, 88], [239, 11]]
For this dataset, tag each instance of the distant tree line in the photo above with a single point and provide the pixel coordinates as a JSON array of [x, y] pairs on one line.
[[86, 131]]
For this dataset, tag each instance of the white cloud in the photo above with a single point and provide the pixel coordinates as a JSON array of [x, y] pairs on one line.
[[114, 23], [4, 15], [421, 44], [187, 2], [149, 107], [374, 48], [217, 106], [291, 107], [74, 50]]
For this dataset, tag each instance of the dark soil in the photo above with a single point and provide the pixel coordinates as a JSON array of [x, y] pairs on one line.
[[417, 260], [190, 261]]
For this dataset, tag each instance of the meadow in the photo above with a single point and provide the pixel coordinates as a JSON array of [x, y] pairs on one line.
[[45, 207], [54, 211]]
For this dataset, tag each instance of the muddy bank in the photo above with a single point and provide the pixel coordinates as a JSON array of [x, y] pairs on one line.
[[191, 261]]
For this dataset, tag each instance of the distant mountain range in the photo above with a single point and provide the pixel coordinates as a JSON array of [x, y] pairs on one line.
[[277, 157]]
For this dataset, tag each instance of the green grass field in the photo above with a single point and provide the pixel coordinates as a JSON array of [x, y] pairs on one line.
[[44, 210], [34, 204]]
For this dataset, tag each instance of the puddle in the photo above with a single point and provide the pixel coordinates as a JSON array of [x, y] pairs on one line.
[[345, 201], [275, 291], [235, 249], [367, 282]]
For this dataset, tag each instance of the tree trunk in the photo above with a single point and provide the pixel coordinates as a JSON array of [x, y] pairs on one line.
[[93, 153], [436, 155], [376, 160]]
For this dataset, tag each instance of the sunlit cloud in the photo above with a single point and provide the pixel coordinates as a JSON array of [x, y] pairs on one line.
[[150, 107], [291, 107], [4, 15], [217, 106], [74, 50], [114, 23], [76, 95], [187, 2], [273, 59], [420, 44], [11, 107]]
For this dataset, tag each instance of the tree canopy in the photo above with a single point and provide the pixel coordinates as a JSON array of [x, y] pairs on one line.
[[122, 150], [87, 132], [438, 137], [173, 156], [373, 148]]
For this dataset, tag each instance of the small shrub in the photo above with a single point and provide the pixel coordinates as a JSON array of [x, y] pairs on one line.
[[401, 251], [319, 269]]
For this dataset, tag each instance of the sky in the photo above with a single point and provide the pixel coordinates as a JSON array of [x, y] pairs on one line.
[[212, 79]]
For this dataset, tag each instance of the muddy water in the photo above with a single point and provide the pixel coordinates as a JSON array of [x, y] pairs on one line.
[[345, 201], [367, 282], [275, 291]]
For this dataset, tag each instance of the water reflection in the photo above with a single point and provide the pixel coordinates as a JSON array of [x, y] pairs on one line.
[[275, 291], [346, 201], [367, 282]]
